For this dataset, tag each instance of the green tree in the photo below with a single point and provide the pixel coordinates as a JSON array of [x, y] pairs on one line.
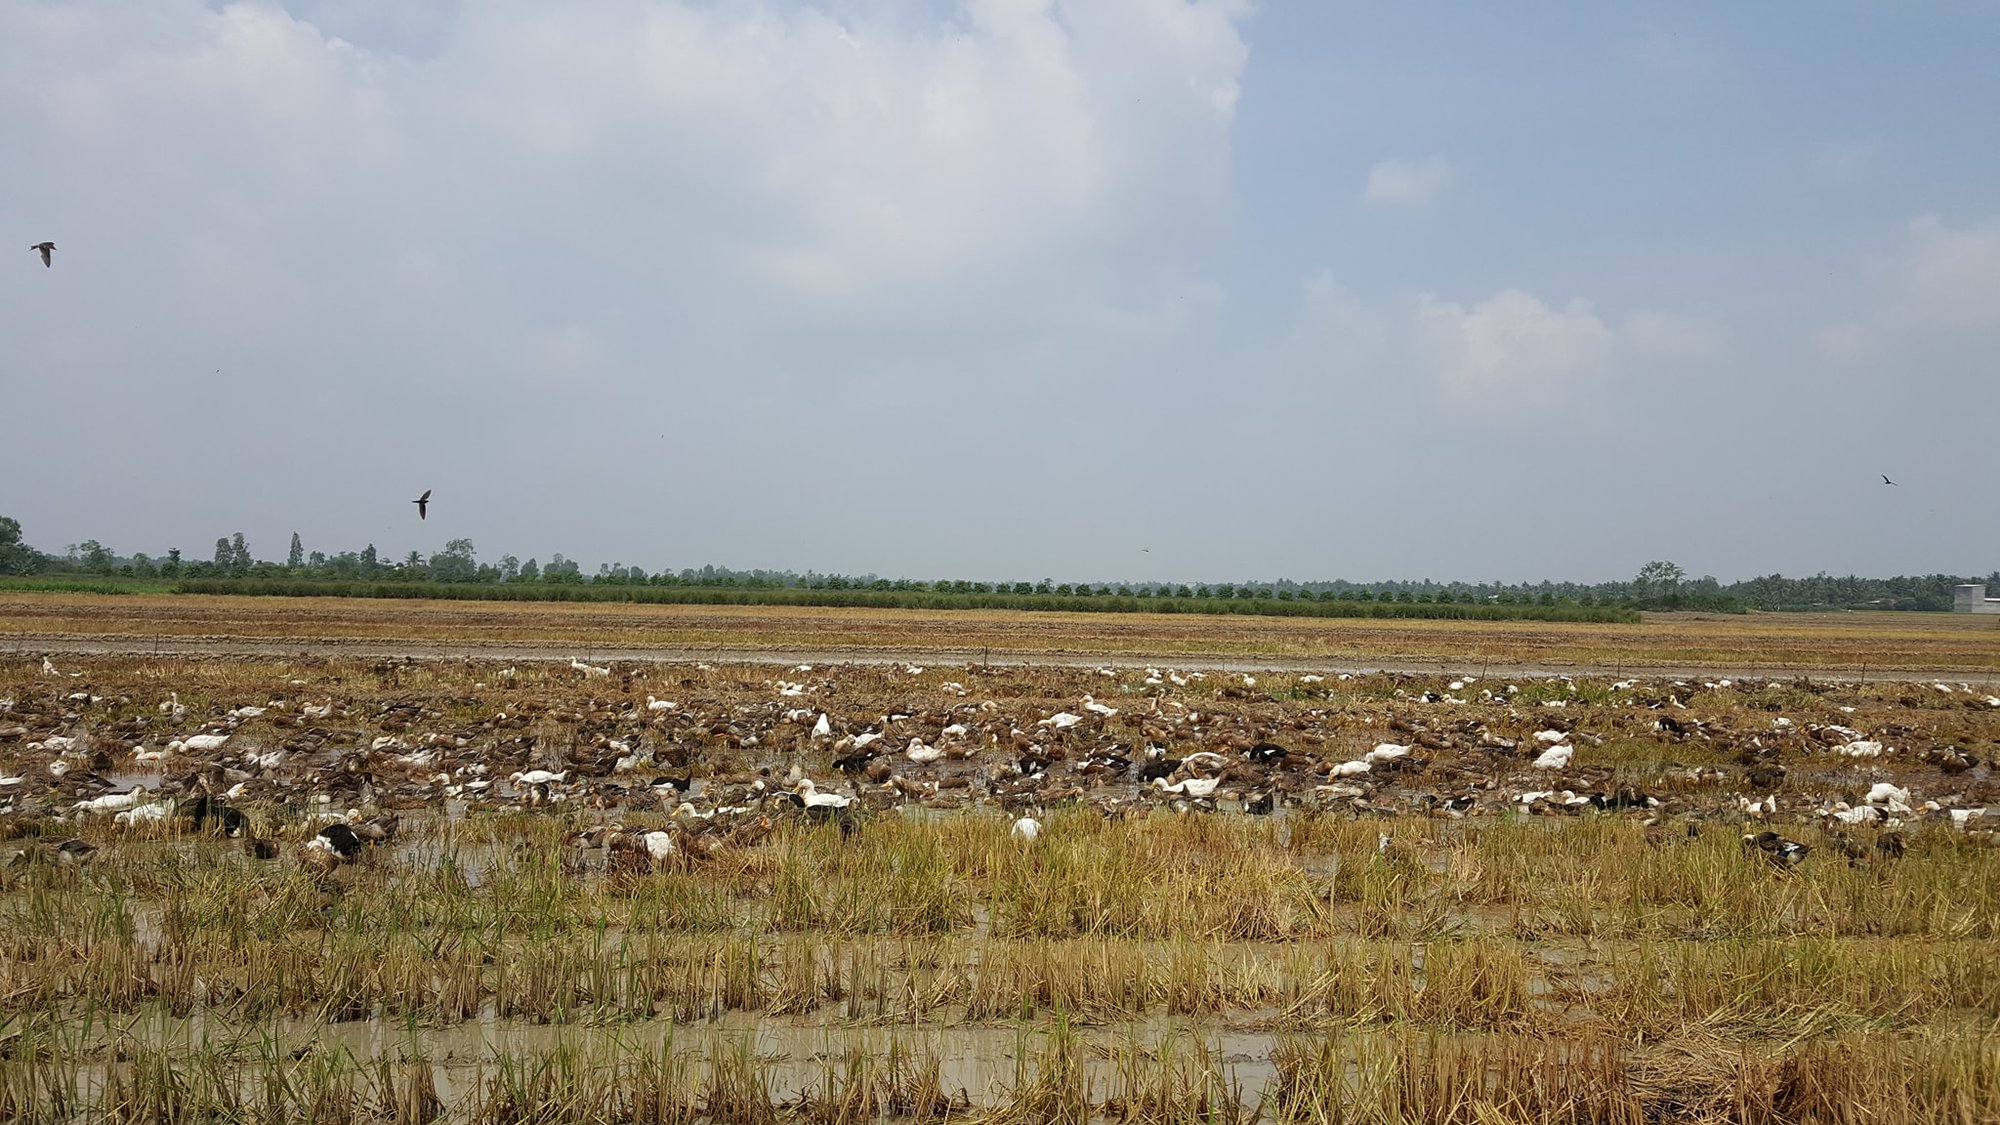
[[297, 556], [531, 571], [1658, 581], [239, 554], [172, 567], [15, 556], [456, 563], [92, 556], [223, 557]]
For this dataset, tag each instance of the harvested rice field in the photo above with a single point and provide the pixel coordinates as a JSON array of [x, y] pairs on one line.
[[1156, 871], [1854, 645]]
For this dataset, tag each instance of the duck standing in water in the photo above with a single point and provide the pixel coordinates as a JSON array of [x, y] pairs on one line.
[[334, 845], [820, 806]]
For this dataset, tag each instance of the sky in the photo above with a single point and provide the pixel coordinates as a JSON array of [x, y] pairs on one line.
[[1176, 290]]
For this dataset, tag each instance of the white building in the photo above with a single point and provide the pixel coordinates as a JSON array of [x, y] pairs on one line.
[[1973, 599]]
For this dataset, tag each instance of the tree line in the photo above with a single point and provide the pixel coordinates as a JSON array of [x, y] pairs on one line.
[[1658, 585]]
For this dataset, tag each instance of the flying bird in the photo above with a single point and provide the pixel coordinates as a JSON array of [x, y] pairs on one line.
[[47, 249], [1886, 480], [423, 504]]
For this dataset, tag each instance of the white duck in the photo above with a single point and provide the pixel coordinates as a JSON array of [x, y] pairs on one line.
[[809, 796], [113, 802], [1189, 786]]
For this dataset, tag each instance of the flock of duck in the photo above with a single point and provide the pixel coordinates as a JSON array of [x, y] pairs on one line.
[[685, 762]]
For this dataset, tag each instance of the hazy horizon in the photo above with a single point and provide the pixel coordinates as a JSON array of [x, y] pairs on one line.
[[1185, 290], [590, 568]]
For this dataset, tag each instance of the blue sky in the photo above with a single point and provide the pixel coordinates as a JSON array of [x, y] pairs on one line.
[[1011, 288]]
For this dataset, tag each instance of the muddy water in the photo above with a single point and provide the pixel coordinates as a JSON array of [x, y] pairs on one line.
[[978, 1064]]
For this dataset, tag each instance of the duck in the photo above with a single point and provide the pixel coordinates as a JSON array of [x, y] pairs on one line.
[[114, 802], [855, 762], [1555, 757], [1265, 753], [808, 796], [205, 812], [1189, 786], [377, 830], [332, 846], [640, 849], [1455, 808], [1889, 796], [1025, 829], [820, 806], [155, 813], [1781, 852], [1848, 814]]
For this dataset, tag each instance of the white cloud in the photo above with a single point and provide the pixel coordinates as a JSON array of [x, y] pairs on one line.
[[1950, 277], [1408, 183], [1940, 280], [1511, 341], [1000, 166], [1673, 336], [1511, 347]]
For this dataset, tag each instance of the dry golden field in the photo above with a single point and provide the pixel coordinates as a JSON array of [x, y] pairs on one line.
[[1852, 644]]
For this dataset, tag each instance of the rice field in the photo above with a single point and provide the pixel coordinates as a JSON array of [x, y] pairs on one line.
[[600, 890], [1856, 645]]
